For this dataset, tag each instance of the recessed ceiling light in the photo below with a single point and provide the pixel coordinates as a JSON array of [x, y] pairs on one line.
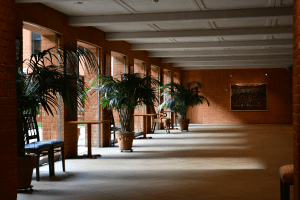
[[79, 2]]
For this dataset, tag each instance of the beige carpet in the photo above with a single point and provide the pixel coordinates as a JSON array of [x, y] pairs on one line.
[[210, 162]]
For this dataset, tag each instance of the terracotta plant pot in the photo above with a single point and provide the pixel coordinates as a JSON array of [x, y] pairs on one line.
[[125, 140], [184, 124], [25, 169]]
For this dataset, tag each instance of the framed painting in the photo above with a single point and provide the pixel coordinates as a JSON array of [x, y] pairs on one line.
[[249, 97]]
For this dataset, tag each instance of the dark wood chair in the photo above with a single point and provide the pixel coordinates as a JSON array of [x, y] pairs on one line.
[[42, 148], [286, 173], [113, 127], [160, 118]]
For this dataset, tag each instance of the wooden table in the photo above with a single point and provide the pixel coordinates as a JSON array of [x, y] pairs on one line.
[[89, 131], [145, 124], [172, 117]]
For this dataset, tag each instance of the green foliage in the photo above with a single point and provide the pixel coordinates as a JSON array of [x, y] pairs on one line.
[[182, 98], [124, 95], [52, 75]]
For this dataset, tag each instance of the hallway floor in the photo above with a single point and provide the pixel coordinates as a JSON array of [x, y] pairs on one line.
[[210, 162]]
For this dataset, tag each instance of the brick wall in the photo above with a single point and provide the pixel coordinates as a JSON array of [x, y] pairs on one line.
[[8, 132], [296, 99], [216, 87], [44, 16]]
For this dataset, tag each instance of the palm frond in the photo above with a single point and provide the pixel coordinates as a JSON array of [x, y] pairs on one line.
[[125, 94], [182, 98], [53, 74]]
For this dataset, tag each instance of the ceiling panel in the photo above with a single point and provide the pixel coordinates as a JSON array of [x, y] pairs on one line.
[[234, 67], [234, 4], [193, 29], [147, 6], [103, 7]]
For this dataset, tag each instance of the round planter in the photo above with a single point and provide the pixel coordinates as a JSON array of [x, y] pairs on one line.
[[25, 169], [125, 140], [184, 124]]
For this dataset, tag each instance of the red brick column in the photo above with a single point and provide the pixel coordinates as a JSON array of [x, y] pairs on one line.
[[69, 131], [8, 131], [105, 128], [296, 97]]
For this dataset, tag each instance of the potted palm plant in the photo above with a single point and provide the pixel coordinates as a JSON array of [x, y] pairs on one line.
[[52, 75], [182, 98], [124, 95]]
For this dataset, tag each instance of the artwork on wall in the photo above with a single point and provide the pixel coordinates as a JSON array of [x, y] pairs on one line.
[[249, 97]]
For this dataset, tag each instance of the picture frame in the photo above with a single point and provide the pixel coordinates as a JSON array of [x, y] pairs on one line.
[[249, 97]]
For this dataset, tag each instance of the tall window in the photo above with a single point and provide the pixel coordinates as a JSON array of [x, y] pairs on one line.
[[176, 78], [155, 73], [167, 79], [139, 67], [91, 110], [118, 66], [36, 39]]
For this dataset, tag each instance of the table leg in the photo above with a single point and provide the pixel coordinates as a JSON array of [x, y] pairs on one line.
[[89, 131], [89, 135], [172, 119], [144, 125], [145, 129]]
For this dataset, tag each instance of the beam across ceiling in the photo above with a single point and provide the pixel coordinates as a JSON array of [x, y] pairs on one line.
[[228, 58], [260, 36], [211, 45], [46, 1], [209, 53], [233, 63], [203, 33], [99, 20], [234, 67]]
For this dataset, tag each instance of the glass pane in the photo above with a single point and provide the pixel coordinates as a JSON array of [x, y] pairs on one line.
[[91, 110]]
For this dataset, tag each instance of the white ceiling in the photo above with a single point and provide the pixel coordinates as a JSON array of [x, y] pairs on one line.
[[193, 34]]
